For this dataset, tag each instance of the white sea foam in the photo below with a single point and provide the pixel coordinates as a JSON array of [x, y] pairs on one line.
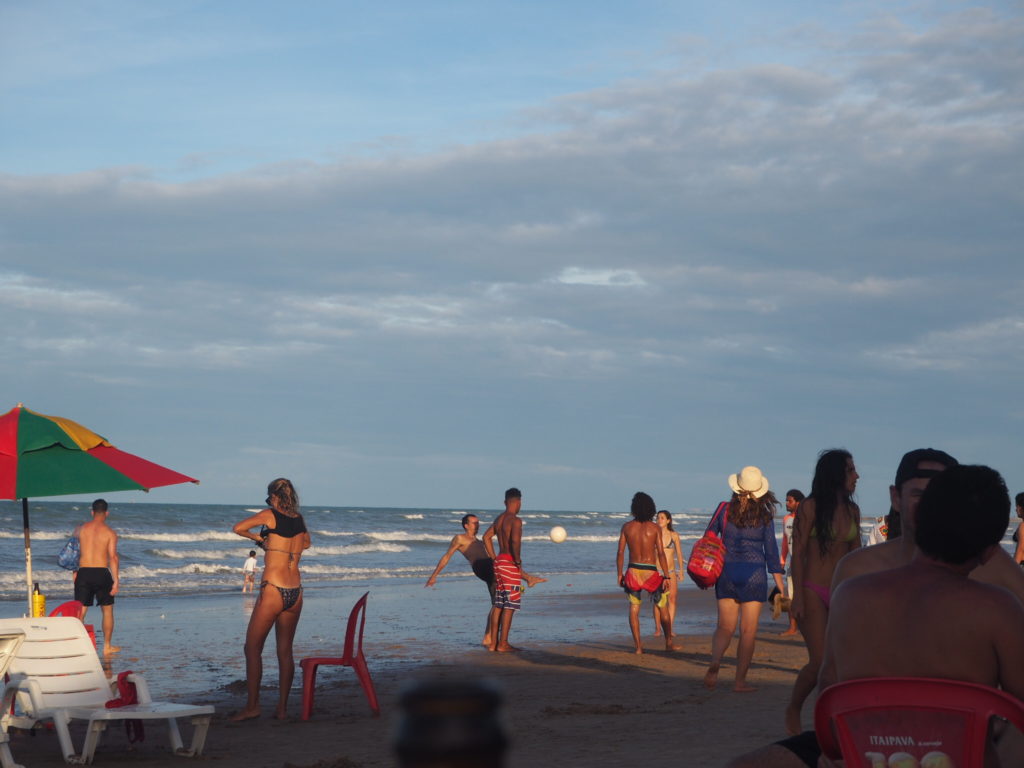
[[36, 535], [334, 533], [208, 535], [356, 549], [413, 517]]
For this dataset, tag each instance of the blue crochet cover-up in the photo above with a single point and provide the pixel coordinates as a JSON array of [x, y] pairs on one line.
[[748, 553]]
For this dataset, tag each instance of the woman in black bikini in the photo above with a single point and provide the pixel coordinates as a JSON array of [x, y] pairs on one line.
[[284, 537]]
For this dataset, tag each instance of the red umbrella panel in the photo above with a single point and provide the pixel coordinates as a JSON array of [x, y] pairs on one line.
[[52, 456]]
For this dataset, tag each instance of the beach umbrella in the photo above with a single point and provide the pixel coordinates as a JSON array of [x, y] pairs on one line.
[[52, 456]]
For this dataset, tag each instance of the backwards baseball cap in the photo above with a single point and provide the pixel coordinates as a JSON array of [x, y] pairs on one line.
[[908, 464], [513, 493]]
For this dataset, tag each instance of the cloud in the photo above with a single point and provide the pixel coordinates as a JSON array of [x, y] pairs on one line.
[[625, 278]]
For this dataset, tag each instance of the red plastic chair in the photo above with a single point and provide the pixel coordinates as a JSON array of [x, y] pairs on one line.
[[353, 657], [73, 608], [866, 721]]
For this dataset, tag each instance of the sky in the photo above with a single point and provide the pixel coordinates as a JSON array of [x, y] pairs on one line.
[[411, 254]]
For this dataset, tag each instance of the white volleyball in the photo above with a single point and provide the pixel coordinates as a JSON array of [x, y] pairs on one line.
[[558, 534]]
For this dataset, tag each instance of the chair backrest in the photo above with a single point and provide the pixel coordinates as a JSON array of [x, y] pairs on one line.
[[59, 656], [71, 608], [357, 616], [867, 721]]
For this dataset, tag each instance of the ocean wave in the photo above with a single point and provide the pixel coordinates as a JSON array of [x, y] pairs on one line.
[[207, 535], [413, 517], [356, 549], [37, 535]]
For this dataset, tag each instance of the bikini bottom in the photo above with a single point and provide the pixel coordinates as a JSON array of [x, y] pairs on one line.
[[289, 595], [822, 592]]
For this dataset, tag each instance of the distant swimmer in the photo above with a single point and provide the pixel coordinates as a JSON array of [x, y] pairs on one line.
[[98, 575], [642, 537], [249, 572]]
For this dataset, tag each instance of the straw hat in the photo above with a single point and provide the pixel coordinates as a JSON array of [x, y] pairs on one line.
[[749, 480]]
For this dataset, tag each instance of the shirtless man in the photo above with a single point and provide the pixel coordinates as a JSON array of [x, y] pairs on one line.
[[643, 538], [508, 569], [793, 499], [97, 575], [915, 470]]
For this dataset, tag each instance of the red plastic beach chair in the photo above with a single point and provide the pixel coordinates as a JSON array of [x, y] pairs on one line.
[[867, 721], [73, 608], [353, 657]]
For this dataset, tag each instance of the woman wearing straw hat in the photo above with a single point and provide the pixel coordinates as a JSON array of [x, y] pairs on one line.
[[750, 551]]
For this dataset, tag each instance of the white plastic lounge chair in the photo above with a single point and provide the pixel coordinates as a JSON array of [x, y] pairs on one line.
[[10, 642], [57, 675]]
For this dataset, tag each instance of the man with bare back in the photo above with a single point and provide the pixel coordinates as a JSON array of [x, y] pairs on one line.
[[508, 569], [643, 538], [97, 576]]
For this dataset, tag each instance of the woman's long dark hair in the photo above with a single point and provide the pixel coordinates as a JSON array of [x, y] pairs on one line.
[[667, 514], [828, 489], [747, 512], [287, 496]]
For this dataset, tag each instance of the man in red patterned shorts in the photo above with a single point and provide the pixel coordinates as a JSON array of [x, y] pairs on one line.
[[508, 569]]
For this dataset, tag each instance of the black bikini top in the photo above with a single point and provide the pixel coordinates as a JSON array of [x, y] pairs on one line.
[[284, 526]]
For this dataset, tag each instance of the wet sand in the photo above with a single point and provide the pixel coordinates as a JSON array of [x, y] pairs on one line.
[[589, 701]]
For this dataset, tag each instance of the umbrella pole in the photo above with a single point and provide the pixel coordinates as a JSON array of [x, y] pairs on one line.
[[28, 554]]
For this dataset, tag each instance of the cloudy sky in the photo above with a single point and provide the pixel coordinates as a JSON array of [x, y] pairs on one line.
[[413, 253]]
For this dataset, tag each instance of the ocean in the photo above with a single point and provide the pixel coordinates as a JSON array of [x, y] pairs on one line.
[[182, 549]]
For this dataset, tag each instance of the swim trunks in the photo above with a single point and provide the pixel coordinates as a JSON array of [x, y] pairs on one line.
[[508, 588], [644, 577], [94, 583], [804, 747]]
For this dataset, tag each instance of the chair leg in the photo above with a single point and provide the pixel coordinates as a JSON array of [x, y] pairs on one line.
[[308, 687], [60, 724], [92, 739], [6, 758], [363, 672], [175, 735], [200, 726]]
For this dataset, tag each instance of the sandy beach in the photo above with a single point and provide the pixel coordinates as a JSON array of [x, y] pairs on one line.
[[581, 703]]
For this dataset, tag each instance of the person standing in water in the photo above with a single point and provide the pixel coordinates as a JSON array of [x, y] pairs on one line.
[[284, 538], [249, 572], [98, 575]]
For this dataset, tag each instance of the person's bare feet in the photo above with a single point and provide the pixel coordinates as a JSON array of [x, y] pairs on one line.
[[657, 633], [532, 581], [670, 646], [281, 714], [789, 632], [245, 714], [109, 649], [505, 648], [711, 676], [793, 727], [743, 687]]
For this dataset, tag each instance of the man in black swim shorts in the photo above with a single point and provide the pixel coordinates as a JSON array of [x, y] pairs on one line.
[[97, 576]]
